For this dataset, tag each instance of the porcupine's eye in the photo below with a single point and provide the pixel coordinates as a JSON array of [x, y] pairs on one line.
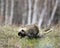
[[19, 34], [22, 31]]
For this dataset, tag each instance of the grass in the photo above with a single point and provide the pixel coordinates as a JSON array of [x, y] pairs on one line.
[[9, 39]]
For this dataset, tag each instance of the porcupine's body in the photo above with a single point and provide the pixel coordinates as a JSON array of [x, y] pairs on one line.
[[31, 31]]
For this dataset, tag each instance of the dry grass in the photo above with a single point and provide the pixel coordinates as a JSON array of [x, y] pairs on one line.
[[10, 39]]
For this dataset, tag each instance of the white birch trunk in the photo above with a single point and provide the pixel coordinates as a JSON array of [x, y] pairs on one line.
[[42, 14], [6, 13], [53, 13], [29, 11], [23, 20], [12, 11], [2, 7], [34, 19], [25, 13]]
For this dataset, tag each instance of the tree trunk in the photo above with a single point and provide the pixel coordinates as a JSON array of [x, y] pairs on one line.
[[1, 13], [6, 13], [34, 19], [2, 7], [30, 11], [53, 13], [42, 14], [25, 16], [12, 11]]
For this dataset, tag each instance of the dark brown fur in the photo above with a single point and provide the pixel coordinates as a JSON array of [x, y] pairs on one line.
[[32, 31]]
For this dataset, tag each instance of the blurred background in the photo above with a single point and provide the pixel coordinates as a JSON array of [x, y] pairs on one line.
[[44, 13], [22, 12]]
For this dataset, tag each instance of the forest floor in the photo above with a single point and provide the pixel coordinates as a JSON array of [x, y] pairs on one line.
[[9, 39]]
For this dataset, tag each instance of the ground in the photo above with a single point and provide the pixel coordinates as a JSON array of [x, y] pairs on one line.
[[9, 39]]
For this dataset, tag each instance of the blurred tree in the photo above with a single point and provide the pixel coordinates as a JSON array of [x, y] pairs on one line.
[[42, 12]]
